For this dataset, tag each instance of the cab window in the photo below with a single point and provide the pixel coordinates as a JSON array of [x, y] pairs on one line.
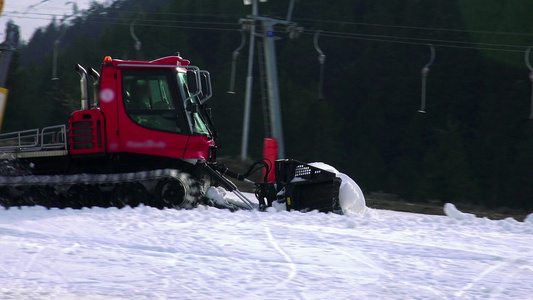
[[197, 123], [149, 100]]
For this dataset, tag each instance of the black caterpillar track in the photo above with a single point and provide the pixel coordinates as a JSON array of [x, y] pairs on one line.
[[159, 188]]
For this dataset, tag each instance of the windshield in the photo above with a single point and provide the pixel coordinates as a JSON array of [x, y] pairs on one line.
[[195, 118]]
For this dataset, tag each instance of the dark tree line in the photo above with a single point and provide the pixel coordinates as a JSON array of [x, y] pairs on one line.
[[474, 144]]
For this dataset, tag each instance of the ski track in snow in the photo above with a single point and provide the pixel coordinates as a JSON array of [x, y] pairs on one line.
[[146, 253]]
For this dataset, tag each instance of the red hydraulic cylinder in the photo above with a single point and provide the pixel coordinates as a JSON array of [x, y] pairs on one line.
[[270, 153]]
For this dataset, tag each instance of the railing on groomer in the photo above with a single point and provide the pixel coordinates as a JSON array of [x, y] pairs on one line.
[[49, 138]]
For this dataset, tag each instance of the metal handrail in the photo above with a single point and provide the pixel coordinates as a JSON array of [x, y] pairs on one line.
[[58, 136], [20, 139], [52, 137]]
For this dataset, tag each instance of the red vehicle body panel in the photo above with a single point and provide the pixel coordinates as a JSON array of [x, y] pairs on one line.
[[87, 132], [121, 134]]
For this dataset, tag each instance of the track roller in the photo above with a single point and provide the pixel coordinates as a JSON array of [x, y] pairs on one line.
[[131, 194], [173, 193], [6, 196], [43, 195], [84, 195]]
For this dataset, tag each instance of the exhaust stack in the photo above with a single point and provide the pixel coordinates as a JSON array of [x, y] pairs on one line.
[[96, 86], [84, 85]]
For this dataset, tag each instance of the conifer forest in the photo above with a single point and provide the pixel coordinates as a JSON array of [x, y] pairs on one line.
[[473, 144]]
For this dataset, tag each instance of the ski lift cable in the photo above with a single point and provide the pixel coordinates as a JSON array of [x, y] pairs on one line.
[[414, 39], [405, 42], [117, 20], [417, 27], [379, 38], [16, 14], [376, 38], [236, 53], [230, 16], [322, 61], [528, 64], [425, 72]]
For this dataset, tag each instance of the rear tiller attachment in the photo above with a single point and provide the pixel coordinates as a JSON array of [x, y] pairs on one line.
[[299, 186]]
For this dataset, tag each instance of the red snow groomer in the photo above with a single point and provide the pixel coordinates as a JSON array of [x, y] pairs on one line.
[[146, 137]]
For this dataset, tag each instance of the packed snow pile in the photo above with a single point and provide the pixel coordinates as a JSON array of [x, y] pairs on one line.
[[351, 197], [218, 195], [451, 211], [529, 219]]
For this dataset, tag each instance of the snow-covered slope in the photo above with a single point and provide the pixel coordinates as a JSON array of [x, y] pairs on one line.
[[146, 253]]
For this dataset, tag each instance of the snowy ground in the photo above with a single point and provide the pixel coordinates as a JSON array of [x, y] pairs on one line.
[[146, 253]]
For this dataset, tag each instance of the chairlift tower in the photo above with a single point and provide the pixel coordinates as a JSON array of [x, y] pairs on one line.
[[7, 48], [269, 38]]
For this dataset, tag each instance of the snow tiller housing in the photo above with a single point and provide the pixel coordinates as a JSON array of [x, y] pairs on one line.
[[300, 186], [305, 187]]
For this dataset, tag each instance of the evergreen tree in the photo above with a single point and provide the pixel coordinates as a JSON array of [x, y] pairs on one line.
[[473, 145]]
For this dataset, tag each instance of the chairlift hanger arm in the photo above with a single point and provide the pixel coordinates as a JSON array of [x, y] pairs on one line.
[[322, 61], [315, 41], [432, 59], [528, 64], [526, 58], [425, 72], [132, 31], [243, 42], [63, 31], [234, 62]]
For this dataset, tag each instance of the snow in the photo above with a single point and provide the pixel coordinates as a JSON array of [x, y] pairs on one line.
[[217, 194], [208, 253], [529, 219], [451, 211]]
